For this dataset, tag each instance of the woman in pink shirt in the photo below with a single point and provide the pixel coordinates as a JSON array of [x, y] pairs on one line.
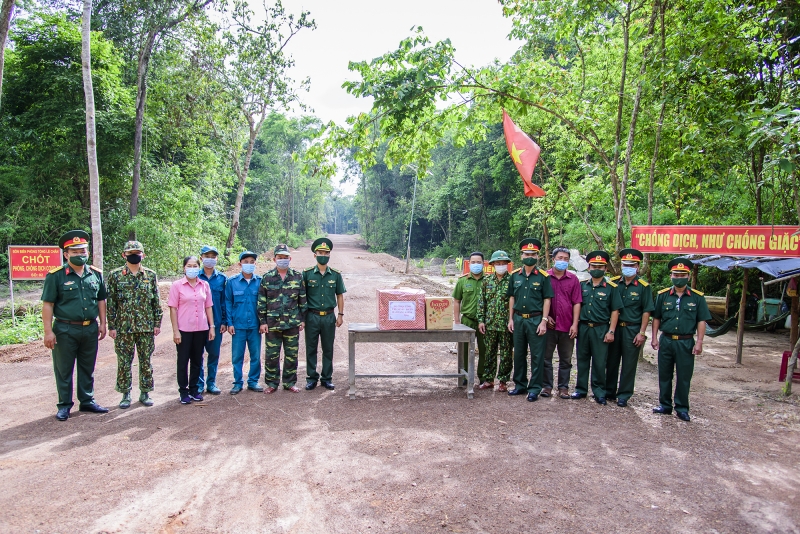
[[192, 324]]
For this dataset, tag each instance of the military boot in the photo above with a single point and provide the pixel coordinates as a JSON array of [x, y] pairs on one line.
[[126, 400], [145, 399]]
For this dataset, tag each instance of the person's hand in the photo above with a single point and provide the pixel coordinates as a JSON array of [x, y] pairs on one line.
[[232, 330], [510, 325], [482, 328], [654, 343], [551, 322], [573, 331], [262, 329], [698, 348], [211, 334], [542, 329], [223, 329], [50, 340], [339, 321], [608, 338], [302, 326], [101, 331], [112, 334], [176, 337], [156, 331], [639, 340]]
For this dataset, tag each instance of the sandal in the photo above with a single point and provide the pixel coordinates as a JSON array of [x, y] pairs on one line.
[[502, 387], [564, 393]]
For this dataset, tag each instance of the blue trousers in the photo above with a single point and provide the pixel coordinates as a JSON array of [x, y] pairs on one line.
[[252, 339], [212, 361]]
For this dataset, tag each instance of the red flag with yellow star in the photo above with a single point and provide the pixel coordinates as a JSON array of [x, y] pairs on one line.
[[524, 152]]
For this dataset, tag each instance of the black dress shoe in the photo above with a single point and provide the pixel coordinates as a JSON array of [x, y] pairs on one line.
[[577, 395], [63, 414], [661, 410], [600, 400], [311, 385], [683, 416], [622, 403], [518, 391], [533, 397], [328, 385], [93, 407]]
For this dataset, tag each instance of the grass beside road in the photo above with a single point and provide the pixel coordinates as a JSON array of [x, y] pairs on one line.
[[28, 324]]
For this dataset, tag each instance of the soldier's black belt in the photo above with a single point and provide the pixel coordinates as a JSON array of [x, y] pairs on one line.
[[82, 323], [321, 313], [592, 325], [623, 323], [672, 336], [527, 315]]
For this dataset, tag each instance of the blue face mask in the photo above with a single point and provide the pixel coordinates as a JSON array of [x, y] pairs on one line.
[[248, 268], [476, 268], [628, 272], [192, 272], [561, 265], [282, 264], [209, 263]]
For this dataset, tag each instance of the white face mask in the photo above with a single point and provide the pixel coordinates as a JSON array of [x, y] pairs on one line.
[[501, 269]]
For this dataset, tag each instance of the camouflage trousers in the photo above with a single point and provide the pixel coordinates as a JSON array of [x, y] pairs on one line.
[[502, 341], [144, 344], [290, 339]]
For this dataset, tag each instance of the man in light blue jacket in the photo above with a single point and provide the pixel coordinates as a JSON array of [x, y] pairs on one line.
[[241, 298]]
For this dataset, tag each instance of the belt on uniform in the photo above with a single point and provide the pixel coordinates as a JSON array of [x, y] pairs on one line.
[[687, 336], [623, 323], [82, 323], [592, 325], [321, 313], [527, 315]]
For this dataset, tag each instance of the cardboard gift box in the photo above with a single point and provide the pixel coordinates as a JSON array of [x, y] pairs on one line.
[[401, 309], [439, 313]]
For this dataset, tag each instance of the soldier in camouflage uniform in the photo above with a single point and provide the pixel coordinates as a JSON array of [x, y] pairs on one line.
[[281, 313], [134, 319], [493, 322]]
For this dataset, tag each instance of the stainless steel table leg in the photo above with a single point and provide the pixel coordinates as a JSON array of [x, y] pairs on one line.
[[471, 371], [351, 342]]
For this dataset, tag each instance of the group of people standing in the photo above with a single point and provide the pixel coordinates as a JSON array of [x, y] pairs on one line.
[[532, 311], [80, 307]]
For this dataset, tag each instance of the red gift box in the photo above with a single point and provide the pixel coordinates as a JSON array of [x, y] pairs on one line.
[[401, 309]]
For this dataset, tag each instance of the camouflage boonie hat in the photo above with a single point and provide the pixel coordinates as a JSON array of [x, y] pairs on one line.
[[133, 245], [281, 249]]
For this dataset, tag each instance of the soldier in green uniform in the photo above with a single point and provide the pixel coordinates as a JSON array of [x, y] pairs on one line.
[[598, 320], [530, 295], [637, 300], [134, 319], [324, 291], [465, 297], [281, 314], [680, 312], [75, 296], [493, 322]]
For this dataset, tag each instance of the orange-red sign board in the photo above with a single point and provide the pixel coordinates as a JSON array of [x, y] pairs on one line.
[[772, 241], [32, 262], [487, 268]]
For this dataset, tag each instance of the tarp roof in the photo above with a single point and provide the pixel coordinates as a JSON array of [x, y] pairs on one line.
[[777, 267]]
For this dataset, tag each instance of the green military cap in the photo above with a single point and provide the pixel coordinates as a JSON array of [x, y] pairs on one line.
[[323, 243], [499, 255], [598, 256], [281, 249], [530, 244], [680, 264], [133, 245], [74, 239], [248, 254], [630, 254]]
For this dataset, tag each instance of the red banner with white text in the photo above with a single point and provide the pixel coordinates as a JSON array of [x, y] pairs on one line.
[[775, 241], [32, 262]]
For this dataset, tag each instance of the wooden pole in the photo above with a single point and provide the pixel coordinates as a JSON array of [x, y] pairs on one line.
[[694, 276], [740, 327], [793, 333]]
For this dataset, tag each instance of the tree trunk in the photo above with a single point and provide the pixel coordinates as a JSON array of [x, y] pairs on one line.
[[620, 106], [757, 166], [787, 386], [237, 207], [6, 12], [91, 138]]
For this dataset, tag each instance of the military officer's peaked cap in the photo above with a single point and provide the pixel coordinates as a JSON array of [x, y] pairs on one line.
[[681, 265], [630, 254], [530, 244], [598, 256], [281, 249], [248, 254], [499, 255], [323, 243], [74, 239], [133, 245], [205, 249]]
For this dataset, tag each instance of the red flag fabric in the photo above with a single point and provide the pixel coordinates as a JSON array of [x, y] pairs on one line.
[[525, 154]]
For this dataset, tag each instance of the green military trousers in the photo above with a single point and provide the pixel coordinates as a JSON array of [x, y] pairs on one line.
[[320, 329], [675, 356], [126, 345], [592, 351], [481, 339], [525, 337], [273, 339], [622, 352], [76, 346], [501, 341]]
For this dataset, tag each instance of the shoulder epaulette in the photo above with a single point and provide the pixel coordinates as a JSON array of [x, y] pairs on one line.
[[516, 270], [96, 269], [664, 290], [645, 283], [56, 269], [544, 273], [335, 270], [614, 278], [463, 275], [612, 284], [308, 268], [698, 292]]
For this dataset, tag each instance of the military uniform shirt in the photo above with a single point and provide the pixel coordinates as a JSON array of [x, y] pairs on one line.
[[322, 289], [74, 297], [467, 290], [133, 303], [680, 315], [282, 302], [599, 301], [637, 299], [529, 291], [493, 302]]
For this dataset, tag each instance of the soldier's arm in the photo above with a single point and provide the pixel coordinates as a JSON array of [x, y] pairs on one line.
[[111, 303], [261, 303], [511, 314], [101, 308], [158, 313], [47, 321], [301, 301]]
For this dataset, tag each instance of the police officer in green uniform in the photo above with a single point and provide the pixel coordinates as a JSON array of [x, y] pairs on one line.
[[637, 300], [680, 312], [465, 297], [75, 296], [598, 320], [324, 291], [530, 295]]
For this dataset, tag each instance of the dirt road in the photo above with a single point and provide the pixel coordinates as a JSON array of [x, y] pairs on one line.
[[406, 456]]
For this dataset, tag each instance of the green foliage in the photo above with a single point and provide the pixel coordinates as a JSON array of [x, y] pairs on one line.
[[28, 327]]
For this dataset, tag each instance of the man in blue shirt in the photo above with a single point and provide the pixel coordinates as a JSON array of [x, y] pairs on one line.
[[215, 279], [241, 299]]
